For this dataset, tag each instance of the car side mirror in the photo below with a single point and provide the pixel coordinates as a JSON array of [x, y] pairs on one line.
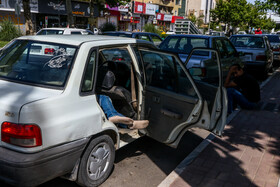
[[195, 71]]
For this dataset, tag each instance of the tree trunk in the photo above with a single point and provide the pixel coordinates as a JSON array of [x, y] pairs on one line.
[[91, 16], [27, 15], [69, 13]]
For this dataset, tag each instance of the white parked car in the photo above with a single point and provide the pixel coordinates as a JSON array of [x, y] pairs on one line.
[[58, 30], [52, 123]]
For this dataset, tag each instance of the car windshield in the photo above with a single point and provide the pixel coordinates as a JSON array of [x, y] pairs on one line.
[[36, 63], [49, 32], [185, 45], [273, 38], [248, 41]]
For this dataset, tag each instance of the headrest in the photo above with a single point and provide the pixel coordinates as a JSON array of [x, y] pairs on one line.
[[109, 80]]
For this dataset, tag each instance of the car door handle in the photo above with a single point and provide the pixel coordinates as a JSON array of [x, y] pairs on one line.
[[171, 114], [156, 99]]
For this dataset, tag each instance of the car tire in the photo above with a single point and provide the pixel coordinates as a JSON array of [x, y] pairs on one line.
[[96, 162]]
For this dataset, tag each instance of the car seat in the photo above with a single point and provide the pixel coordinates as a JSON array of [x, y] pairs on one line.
[[120, 96]]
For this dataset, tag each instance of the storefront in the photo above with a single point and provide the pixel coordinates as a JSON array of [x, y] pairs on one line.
[[164, 21], [147, 12], [7, 11], [54, 14]]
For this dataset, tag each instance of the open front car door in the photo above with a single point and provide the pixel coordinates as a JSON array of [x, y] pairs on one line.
[[173, 100]]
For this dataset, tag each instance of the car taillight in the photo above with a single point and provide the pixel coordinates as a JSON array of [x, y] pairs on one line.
[[276, 49], [49, 50], [24, 135], [203, 72], [260, 58], [118, 59]]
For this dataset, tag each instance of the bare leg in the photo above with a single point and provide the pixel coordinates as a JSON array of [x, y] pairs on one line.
[[132, 124], [121, 119], [139, 124]]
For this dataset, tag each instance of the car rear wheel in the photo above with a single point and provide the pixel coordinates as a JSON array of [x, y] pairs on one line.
[[97, 162]]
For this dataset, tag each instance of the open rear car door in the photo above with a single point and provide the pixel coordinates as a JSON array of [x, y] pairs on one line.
[[175, 102]]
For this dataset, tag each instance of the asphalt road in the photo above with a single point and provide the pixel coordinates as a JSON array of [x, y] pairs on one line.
[[144, 162]]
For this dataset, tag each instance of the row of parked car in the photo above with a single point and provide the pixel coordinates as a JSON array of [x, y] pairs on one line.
[[52, 124]]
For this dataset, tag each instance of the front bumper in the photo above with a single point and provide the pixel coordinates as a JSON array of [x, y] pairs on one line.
[[25, 169]]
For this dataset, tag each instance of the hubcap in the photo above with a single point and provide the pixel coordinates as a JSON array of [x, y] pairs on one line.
[[98, 161]]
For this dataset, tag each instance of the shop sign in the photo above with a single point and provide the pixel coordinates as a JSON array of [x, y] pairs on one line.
[[167, 17], [139, 7], [150, 9], [125, 17], [121, 8], [78, 13], [160, 16], [174, 18]]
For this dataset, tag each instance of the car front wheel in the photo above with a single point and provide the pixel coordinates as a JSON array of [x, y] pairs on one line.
[[97, 162]]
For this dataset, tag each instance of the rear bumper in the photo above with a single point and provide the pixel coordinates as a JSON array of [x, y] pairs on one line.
[[22, 169]]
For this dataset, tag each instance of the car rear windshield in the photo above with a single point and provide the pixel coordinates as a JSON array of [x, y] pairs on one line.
[[37, 63], [273, 38], [50, 32], [185, 45], [248, 41]]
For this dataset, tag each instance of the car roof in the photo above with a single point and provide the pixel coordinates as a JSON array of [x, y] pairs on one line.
[[127, 32], [79, 39], [195, 36], [253, 35], [62, 29]]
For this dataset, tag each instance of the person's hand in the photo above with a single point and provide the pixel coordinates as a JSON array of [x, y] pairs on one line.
[[232, 69]]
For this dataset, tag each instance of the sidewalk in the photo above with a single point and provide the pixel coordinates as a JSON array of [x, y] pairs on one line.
[[248, 153]]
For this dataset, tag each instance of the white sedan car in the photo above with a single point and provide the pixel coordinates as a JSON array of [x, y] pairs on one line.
[[52, 123], [60, 31]]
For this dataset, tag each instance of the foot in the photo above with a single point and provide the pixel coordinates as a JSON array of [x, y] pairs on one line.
[[139, 124], [120, 119]]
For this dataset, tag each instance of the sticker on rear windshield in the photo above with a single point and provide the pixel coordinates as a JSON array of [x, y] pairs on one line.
[[59, 59]]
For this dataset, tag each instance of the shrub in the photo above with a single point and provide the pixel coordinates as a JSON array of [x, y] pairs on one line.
[[151, 28], [8, 31], [108, 27]]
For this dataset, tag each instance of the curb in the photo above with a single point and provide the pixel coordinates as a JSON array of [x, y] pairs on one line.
[[182, 166]]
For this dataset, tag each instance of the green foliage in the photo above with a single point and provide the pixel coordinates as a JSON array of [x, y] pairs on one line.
[[108, 27], [198, 21], [8, 31], [239, 13], [163, 36], [3, 43], [151, 28]]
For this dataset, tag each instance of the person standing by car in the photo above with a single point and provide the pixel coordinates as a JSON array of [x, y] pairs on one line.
[[242, 90], [258, 31]]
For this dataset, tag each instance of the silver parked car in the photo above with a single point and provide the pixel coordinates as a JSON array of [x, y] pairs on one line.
[[258, 55], [184, 44], [274, 41]]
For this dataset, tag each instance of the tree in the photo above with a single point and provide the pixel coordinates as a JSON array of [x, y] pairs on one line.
[[231, 12], [273, 5], [70, 18], [239, 13], [27, 15]]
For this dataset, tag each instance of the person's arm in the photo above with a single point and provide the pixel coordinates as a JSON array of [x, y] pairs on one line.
[[228, 82]]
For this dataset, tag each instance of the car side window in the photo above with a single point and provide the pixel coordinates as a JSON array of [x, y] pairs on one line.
[[164, 71], [87, 83], [230, 48], [143, 37], [76, 32], [220, 48]]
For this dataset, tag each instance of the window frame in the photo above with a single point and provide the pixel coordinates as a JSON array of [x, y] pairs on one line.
[[92, 91]]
